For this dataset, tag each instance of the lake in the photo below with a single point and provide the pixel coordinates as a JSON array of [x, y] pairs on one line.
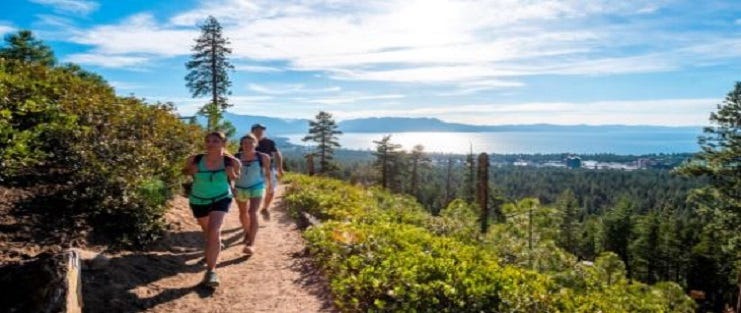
[[532, 142]]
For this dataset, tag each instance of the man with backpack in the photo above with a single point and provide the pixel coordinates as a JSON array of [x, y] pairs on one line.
[[267, 146]]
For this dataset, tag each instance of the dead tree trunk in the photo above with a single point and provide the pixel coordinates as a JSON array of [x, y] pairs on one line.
[[482, 190]]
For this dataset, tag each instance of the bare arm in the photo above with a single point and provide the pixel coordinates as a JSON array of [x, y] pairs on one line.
[[266, 169], [234, 169], [279, 162], [189, 168]]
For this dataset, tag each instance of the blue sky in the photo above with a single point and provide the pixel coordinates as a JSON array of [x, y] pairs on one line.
[[658, 62]]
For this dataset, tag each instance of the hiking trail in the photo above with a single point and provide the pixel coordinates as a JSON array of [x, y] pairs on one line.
[[277, 278]]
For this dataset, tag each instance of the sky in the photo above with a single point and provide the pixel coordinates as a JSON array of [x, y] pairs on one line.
[[659, 62]]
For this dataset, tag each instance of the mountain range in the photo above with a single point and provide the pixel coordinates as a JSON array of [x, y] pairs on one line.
[[282, 126]]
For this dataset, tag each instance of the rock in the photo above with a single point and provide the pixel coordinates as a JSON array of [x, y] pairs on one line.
[[47, 283], [93, 260]]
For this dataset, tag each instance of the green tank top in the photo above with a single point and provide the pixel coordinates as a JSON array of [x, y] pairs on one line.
[[209, 186]]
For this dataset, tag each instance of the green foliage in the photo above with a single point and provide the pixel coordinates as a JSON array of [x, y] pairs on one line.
[[24, 47], [389, 163], [720, 161], [323, 131], [118, 157], [32, 124], [385, 253], [419, 163], [208, 72]]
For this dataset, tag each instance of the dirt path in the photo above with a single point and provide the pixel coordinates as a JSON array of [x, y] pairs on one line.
[[276, 279]]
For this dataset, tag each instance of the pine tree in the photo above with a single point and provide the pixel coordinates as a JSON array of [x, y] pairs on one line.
[[23, 46], [720, 161], [569, 226], [208, 71], [646, 248], [419, 162], [323, 131], [388, 158], [618, 231]]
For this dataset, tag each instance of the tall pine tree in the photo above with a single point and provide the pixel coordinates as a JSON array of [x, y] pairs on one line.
[[323, 131], [23, 46], [388, 162], [208, 71], [419, 162], [569, 225], [720, 161]]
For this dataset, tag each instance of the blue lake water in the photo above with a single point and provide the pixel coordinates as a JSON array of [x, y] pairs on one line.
[[532, 142]]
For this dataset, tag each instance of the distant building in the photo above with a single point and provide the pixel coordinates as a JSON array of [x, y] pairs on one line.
[[573, 162], [520, 163], [646, 163]]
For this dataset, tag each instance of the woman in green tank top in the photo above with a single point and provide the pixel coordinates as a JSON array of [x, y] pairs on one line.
[[211, 195]]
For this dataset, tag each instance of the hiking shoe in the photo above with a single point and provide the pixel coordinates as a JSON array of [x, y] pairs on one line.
[[265, 214], [248, 250], [211, 279]]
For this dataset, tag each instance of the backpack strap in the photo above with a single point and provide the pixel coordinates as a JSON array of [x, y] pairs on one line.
[[197, 159], [227, 161]]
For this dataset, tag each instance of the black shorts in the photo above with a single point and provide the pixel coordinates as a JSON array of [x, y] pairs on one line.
[[203, 210]]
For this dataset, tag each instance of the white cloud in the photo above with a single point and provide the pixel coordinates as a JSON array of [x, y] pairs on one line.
[[138, 34], [430, 41], [257, 68], [122, 85], [103, 60], [283, 89], [669, 112], [4, 29], [241, 104], [346, 99], [82, 7], [472, 87]]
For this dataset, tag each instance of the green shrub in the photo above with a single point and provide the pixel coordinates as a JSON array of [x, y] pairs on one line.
[[384, 253], [119, 156]]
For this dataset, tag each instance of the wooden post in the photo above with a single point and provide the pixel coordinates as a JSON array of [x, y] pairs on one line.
[[482, 190], [310, 163]]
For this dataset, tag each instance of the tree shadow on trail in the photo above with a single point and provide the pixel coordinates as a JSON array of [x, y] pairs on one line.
[[114, 287], [124, 284]]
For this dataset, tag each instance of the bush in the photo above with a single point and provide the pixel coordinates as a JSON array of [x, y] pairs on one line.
[[384, 253], [119, 156]]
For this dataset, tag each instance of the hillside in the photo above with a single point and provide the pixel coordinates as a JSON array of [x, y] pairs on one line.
[[280, 126]]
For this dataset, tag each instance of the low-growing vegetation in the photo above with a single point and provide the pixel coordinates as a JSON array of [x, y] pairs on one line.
[[385, 253]]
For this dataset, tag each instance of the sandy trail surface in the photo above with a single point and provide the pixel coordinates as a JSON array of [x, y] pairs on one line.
[[278, 278]]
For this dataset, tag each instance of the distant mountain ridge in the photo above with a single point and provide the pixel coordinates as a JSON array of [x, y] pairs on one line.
[[282, 126]]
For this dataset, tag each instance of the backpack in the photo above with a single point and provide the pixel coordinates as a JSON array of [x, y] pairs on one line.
[[238, 156], [227, 160], [188, 186]]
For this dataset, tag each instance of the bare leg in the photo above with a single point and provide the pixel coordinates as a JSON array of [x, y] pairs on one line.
[[203, 222], [268, 199], [244, 218], [254, 206], [269, 193], [213, 244]]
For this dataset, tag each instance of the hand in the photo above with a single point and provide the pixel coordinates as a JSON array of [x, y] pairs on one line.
[[233, 172]]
